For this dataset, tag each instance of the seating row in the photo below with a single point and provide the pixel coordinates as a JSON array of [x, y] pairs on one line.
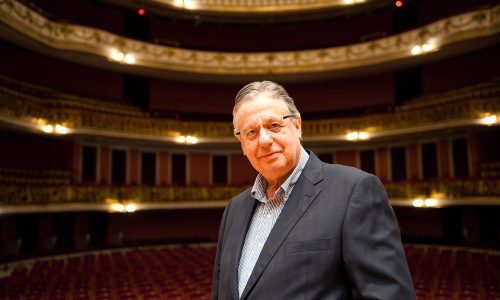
[[185, 272]]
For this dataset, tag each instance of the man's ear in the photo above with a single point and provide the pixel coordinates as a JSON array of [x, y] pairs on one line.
[[298, 125]]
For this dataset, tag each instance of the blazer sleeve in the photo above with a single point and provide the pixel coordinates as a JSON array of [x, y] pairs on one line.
[[215, 280], [371, 244]]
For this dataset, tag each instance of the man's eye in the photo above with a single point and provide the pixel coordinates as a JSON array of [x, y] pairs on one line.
[[251, 133], [274, 126]]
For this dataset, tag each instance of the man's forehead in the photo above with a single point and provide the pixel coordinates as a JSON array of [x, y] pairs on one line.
[[260, 106], [260, 110]]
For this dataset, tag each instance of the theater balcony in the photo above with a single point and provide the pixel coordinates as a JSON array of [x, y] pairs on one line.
[[116, 122]]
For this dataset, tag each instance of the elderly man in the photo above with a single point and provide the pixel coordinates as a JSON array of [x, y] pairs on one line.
[[306, 229]]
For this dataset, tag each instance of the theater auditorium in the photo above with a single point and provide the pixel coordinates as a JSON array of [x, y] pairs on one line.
[[118, 154]]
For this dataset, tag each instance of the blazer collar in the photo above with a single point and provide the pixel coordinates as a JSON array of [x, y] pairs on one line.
[[305, 191], [246, 207]]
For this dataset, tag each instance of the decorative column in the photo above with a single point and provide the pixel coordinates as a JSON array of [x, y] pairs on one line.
[[105, 165], [163, 168], [382, 164], [347, 157], [133, 165]]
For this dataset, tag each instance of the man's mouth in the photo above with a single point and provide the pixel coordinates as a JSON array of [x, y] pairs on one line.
[[270, 155]]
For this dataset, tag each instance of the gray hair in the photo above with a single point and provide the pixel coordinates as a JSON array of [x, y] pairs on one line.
[[272, 89]]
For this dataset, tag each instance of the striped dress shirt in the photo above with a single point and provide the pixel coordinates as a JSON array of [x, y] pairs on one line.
[[264, 218]]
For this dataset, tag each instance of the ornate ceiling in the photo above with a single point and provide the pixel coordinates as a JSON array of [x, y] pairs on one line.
[[90, 46], [241, 11]]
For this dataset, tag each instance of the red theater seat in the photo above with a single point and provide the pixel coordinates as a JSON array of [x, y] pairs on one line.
[[184, 273]]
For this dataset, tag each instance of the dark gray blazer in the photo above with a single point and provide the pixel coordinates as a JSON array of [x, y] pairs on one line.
[[336, 238]]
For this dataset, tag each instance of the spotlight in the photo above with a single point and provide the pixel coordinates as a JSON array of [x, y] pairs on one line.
[[141, 12]]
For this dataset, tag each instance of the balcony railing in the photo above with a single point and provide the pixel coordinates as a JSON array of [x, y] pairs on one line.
[[31, 106], [12, 195], [472, 27]]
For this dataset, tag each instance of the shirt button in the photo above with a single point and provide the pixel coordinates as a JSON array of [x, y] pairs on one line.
[[260, 245], [268, 216]]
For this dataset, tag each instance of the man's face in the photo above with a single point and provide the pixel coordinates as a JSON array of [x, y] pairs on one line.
[[271, 143]]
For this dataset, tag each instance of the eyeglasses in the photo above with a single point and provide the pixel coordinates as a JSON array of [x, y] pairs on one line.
[[272, 125]]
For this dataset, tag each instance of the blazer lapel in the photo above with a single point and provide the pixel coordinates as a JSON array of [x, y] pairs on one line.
[[303, 194], [239, 229]]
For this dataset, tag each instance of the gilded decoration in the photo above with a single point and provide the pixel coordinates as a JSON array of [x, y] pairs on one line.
[[14, 195], [64, 36], [30, 106], [258, 6], [22, 187]]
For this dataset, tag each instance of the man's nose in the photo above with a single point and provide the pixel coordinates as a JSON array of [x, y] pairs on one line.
[[265, 136]]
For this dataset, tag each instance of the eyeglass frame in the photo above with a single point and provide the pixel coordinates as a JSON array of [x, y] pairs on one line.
[[238, 133]]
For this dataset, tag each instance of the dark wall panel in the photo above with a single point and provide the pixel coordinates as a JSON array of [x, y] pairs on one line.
[[488, 145], [192, 97], [34, 152], [167, 225], [84, 12], [352, 93], [432, 10], [461, 71], [326, 96], [198, 34], [25, 65]]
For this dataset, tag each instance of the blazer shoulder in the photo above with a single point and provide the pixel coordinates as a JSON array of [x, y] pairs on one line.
[[317, 170], [346, 174]]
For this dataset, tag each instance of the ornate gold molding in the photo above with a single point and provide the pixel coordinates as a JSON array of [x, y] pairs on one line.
[[445, 188], [63, 36], [22, 195], [256, 6], [30, 107]]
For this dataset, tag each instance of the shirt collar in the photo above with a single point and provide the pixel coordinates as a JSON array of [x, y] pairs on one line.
[[260, 185]]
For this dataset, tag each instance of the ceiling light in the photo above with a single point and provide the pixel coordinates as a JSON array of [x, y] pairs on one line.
[[120, 56], [117, 207], [186, 139], [60, 129], [416, 50], [352, 136], [424, 48], [55, 129], [129, 58], [117, 55], [427, 47], [489, 120], [363, 135], [431, 202], [47, 128], [189, 4], [191, 139], [418, 203], [130, 207], [356, 136]]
